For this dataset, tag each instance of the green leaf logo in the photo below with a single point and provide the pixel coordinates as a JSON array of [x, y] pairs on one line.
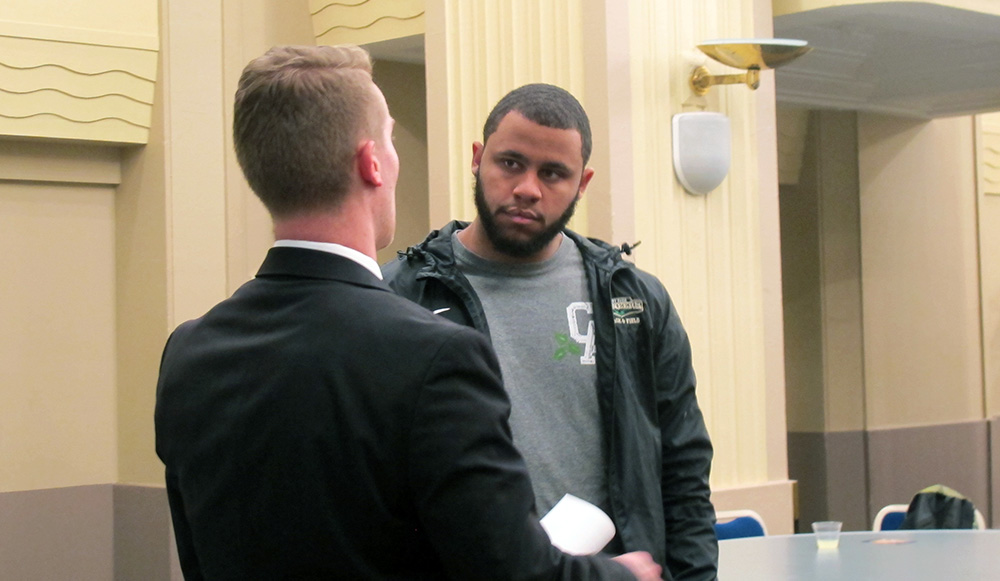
[[566, 346]]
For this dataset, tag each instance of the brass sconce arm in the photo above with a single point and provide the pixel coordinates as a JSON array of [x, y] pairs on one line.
[[702, 80]]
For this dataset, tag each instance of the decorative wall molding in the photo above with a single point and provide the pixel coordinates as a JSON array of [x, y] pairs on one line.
[[365, 21], [76, 84], [43, 161]]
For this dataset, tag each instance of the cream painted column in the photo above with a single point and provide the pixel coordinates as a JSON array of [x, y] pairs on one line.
[[195, 129], [708, 249], [476, 52], [176, 187], [988, 166], [609, 106], [250, 28], [988, 172], [189, 230], [770, 248]]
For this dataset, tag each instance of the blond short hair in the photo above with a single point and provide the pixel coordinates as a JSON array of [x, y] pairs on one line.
[[299, 115]]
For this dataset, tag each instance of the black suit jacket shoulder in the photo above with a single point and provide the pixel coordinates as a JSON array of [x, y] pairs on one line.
[[316, 425]]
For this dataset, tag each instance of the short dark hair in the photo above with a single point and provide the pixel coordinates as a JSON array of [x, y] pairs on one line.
[[546, 105], [299, 114]]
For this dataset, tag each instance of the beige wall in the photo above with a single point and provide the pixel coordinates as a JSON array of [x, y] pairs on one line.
[[183, 230], [73, 421], [186, 231], [841, 338], [920, 271], [125, 263], [887, 276], [800, 231], [57, 309], [121, 16], [405, 92], [889, 253], [141, 321], [821, 249], [988, 166]]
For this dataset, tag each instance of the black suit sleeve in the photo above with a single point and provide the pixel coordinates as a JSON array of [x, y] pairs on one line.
[[178, 515], [182, 532], [473, 495]]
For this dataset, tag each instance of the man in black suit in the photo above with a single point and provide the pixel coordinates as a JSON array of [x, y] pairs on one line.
[[315, 425]]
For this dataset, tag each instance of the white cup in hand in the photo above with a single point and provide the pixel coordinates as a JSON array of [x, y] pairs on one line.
[[577, 527]]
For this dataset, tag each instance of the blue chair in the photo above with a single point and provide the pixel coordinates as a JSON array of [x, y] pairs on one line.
[[890, 517], [738, 524]]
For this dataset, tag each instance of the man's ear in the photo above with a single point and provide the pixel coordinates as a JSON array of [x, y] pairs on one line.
[[477, 156], [588, 174], [368, 164]]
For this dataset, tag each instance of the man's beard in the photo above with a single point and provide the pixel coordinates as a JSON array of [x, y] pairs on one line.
[[513, 247]]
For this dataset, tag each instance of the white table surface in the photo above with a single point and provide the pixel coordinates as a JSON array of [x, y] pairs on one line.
[[877, 556]]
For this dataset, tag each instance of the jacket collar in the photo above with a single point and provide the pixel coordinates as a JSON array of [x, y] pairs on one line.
[[316, 264], [438, 244]]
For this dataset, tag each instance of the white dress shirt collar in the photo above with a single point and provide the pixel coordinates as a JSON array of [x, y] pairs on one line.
[[338, 249]]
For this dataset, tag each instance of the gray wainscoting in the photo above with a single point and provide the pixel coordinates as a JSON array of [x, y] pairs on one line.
[[831, 471], [849, 476], [143, 537], [84, 533], [905, 460]]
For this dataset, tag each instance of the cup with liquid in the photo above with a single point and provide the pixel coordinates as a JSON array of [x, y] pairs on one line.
[[827, 534]]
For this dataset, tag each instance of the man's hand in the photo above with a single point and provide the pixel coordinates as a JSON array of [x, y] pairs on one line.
[[642, 565]]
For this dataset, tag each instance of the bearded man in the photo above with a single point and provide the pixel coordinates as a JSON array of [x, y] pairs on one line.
[[593, 353]]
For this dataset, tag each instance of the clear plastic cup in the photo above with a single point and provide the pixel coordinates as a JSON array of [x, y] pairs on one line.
[[827, 534]]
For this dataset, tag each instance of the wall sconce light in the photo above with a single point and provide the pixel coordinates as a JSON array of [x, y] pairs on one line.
[[701, 140], [752, 55], [701, 147]]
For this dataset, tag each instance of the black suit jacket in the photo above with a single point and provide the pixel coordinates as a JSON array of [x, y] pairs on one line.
[[317, 426]]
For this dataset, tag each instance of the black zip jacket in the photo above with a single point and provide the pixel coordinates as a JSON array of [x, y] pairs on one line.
[[659, 452]]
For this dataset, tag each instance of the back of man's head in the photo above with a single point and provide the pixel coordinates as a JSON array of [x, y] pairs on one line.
[[299, 116], [546, 105]]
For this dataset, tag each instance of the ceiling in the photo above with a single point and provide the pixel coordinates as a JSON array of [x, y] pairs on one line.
[[911, 59]]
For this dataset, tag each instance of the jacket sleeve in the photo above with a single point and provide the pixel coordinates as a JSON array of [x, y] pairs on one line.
[[471, 486], [183, 535], [689, 517]]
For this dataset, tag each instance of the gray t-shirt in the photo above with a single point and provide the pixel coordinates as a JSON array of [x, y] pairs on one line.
[[541, 323]]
